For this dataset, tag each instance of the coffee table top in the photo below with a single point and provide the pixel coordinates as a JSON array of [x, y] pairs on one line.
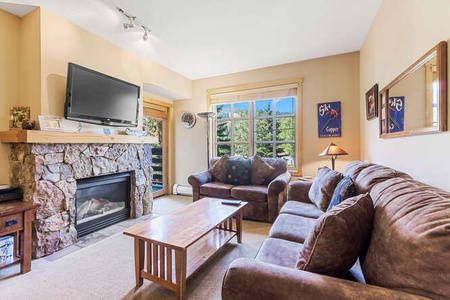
[[185, 226]]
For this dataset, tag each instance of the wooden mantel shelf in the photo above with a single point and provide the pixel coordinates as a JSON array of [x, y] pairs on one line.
[[55, 137]]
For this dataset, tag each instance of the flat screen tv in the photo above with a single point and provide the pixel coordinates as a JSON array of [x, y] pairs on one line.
[[97, 98]]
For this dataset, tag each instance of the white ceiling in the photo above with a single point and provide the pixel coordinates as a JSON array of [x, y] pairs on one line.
[[205, 38]]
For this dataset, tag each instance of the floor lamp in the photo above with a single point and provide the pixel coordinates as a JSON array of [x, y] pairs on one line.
[[208, 115]]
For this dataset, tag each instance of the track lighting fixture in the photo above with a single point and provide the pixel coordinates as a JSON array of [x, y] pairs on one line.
[[146, 32], [132, 21]]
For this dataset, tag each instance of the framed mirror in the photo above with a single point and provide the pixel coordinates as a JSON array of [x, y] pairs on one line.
[[416, 101]]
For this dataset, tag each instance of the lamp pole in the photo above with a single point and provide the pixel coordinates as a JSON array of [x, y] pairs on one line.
[[208, 115]]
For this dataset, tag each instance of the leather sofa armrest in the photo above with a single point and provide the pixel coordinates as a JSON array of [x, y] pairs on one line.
[[248, 278], [298, 191], [277, 194], [196, 180]]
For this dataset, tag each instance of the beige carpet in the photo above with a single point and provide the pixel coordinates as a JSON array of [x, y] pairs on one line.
[[101, 266]]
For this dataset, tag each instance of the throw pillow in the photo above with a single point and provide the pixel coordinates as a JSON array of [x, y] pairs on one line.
[[237, 171], [338, 237], [344, 189], [219, 168], [323, 187], [260, 170]]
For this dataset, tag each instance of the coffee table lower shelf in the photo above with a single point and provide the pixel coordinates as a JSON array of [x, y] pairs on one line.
[[164, 273]]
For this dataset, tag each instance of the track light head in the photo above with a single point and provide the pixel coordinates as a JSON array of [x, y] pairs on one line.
[[146, 32], [130, 23]]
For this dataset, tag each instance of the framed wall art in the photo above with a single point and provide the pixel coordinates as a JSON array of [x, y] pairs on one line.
[[329, 119], [18, 114], [372, 103]]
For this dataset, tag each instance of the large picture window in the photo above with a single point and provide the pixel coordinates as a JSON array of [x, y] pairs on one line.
[[251, 122]]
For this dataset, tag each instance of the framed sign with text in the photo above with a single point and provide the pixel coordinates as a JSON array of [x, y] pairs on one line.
[[329, 119], [396, 114]]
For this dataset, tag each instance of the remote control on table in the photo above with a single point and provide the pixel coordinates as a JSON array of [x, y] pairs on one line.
[[231, 202]]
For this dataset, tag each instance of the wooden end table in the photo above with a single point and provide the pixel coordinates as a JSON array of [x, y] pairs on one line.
[[170, 248], [16, 218]]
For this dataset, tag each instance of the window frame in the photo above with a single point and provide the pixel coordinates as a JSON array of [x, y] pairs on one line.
[[296, 170]]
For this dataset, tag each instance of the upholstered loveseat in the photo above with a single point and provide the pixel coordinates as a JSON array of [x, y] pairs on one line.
[[262, 182], [402, 252]]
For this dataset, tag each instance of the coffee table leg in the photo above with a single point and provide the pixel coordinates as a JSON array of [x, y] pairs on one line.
[[239, 226], [180, 269], [139, 249]]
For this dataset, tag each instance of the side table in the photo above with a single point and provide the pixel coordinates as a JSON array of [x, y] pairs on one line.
[[16, 218]]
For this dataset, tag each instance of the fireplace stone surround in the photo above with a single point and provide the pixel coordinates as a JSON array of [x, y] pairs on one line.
[[48, 173]]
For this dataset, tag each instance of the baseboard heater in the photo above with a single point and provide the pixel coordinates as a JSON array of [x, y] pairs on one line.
[[182, 189]]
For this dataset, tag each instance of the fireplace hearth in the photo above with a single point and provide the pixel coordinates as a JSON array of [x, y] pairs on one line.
[[101, 201]]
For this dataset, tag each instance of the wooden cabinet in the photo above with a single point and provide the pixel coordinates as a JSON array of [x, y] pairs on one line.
[[16, 218]]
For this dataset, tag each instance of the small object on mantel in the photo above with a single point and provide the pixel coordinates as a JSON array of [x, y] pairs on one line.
[[28, 124], [135, 132]]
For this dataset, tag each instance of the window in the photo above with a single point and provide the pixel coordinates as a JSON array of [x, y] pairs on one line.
[[259, 121]]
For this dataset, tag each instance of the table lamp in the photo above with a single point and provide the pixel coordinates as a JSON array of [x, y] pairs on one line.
[[333, 150]]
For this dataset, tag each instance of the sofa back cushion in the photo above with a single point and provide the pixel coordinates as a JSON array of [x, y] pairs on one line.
[[323, 187], [237, 171], [338, 237], [278, 164], [374, 174], [354, 168], [410, 244], [218, 167], [261, 170]]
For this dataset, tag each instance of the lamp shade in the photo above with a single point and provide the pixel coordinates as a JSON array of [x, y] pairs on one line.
[[333, 150]]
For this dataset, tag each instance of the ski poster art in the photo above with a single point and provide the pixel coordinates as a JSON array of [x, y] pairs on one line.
[[329, 119], [396, 114]]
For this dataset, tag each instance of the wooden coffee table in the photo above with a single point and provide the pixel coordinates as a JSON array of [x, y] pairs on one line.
[[168, 249]]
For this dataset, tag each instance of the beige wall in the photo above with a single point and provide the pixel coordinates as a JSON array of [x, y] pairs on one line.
[[334, 78], [9, 79], [35, 58], [401, 33]]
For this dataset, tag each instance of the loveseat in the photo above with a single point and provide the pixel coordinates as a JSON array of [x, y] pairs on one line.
[[389, 240], [261, 182]]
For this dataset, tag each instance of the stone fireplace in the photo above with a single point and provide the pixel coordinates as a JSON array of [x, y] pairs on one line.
[[48, 174]]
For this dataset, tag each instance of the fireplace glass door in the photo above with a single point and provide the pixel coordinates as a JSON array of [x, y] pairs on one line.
[[102, 201]]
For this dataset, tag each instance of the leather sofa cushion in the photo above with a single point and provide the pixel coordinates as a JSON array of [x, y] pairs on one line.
[[260, 170], [323, 187], [374, 174], [292, 228], [338, 237], [279, 252], [410, 244], [354, 168], [237, 171], [216, 189], [252, 193], [297, 208], [218, 168]]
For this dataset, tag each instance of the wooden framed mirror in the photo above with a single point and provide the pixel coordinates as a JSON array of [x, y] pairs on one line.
[[416, 101]]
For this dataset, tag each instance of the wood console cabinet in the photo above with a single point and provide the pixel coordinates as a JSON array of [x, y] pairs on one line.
[[16, 218]]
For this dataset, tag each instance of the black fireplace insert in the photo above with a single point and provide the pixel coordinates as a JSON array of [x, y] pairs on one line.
[[101, 202]]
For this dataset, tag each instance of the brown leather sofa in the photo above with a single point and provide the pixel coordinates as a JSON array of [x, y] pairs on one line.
[[406, 256], [264, 195]]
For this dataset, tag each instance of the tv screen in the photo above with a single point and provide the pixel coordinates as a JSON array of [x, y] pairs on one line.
[[97, 98]]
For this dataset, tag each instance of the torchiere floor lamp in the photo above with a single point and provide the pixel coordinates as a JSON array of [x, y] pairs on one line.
[[208, 115]]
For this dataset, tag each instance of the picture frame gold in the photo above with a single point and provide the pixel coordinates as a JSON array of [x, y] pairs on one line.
[[372, 103], [17, 115]]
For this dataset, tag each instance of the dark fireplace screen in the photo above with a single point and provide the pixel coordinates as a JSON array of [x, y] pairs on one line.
[[102, 201]]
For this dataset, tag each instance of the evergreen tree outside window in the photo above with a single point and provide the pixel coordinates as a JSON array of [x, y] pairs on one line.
[[258, 118], [265, 127]]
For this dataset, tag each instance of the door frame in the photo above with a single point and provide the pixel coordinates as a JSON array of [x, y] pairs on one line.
[[163, 110]]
